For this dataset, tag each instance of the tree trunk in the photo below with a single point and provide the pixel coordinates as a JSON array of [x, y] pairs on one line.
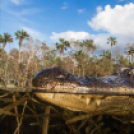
[[73, 69], [132, 58], [111, 52], [129, 58], [4, 45], [20, 45], [83, 72]]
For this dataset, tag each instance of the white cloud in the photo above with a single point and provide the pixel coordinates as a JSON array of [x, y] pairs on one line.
[[70, 35], [34, 33], [81, 10], [65, 6], [22, 12], [99, 9], [30, 11], [17, 2], [6, 7], [99, 39], [118, 21]]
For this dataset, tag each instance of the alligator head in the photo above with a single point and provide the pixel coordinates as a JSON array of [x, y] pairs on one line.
[[106, 102], [59, 80]]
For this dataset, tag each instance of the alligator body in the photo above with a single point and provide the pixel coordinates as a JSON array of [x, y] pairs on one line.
[[104, 92]]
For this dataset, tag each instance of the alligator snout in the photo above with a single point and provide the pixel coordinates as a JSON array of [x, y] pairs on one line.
[[46, 76]]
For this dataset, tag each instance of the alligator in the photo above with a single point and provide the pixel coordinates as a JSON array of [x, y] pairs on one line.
[[111, 95]]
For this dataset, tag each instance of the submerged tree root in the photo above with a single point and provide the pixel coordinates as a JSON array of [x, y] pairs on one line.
[[30, 112]]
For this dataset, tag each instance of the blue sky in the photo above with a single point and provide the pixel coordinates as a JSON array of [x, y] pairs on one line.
[[78, 19]]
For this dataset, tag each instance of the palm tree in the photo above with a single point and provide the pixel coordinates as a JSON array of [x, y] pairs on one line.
[[89, 45], [79, 56], [128, 55], [44, 46], [1, 39], [106, 54], [131, 51], [21, 35], [123, 61], [112, 41], [62, 46], [6, 38], [77, 45]]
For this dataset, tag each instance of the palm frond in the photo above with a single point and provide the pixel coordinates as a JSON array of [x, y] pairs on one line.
[[62, 40], [21, 34], [7, 38], [67, 44], [1, 39]]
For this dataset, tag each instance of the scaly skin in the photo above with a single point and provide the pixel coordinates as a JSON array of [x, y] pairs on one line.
[[56, 79]]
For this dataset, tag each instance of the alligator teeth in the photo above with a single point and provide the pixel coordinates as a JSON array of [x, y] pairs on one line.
[[52, 95], [98, 102], [88, 100]]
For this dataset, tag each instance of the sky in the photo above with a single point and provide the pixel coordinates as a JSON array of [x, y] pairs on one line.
[[70, 19]]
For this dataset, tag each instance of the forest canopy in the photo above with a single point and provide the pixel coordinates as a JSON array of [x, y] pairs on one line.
[[78, 57]]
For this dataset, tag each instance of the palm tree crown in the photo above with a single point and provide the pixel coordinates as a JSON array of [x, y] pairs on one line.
[[62, 45], [131, 53], [89, 45], [106, 54], [21, 35], [6, 38], [112, 41]]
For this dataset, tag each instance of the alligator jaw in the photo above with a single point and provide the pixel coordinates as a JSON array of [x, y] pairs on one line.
[[106, 102], [92, 104]]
